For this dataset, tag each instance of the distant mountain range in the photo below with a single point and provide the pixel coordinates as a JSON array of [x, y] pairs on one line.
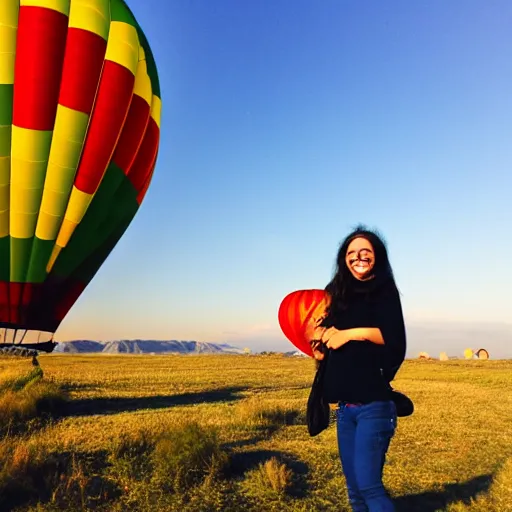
[[145, 347]]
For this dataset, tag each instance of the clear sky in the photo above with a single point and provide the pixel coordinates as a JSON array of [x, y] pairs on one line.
[[285, 124]]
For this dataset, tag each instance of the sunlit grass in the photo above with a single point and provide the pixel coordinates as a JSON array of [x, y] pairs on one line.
[[229, 432], [25, 398]]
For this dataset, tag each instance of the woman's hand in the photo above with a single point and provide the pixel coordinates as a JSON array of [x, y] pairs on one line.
[[314, 331], [327, 338], [334, 339], [318, 350]]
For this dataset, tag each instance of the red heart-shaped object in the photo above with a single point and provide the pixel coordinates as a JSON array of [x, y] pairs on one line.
[[296, 311]]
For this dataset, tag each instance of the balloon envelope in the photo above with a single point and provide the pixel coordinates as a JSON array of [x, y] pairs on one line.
[[79, 134], [296, 311], [468, 353]]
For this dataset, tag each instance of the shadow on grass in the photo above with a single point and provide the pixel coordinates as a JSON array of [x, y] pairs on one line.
[[90, 406], [272, 423], [242, 462], [262, 433], [71, 480], [430, 501]]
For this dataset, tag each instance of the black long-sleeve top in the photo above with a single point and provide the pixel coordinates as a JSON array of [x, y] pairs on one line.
[[360, 371]]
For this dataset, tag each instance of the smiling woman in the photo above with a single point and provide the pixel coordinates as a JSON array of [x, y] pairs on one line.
[[363, 335], [360, 258]]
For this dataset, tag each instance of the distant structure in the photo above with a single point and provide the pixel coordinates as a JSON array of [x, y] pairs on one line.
[[482, 354], [443, 356], [423, 355]]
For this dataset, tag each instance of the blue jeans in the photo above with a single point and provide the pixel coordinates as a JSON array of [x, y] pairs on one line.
[[364, 434]]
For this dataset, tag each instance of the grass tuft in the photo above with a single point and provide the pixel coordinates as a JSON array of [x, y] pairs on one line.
[[276, 474], [186, 456], [268, 483]]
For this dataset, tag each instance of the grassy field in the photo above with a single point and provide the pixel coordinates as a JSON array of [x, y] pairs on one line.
[[227, 433]]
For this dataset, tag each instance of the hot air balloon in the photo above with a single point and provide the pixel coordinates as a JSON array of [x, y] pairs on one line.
[[481, 353], [468, 353], [79, 134], [296, 311]]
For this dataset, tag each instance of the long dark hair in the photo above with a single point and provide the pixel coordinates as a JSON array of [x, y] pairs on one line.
[[344, 285]]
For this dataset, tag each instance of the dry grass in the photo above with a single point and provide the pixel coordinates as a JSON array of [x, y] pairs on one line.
[[236, 424], [25, 398], [275, 475]]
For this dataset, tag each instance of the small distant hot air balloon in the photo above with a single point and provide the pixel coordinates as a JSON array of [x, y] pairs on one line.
[[443, 356], [423, 355], [79, 135], [296, 311], [482, 353], [468, 353]]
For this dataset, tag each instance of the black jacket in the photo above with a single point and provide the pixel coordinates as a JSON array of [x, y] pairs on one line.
[[360, 371]]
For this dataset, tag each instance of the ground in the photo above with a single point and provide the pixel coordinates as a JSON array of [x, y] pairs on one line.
[[131, 422]]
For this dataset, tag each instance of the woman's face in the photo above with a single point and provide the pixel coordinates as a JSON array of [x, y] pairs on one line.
[[360, 258]]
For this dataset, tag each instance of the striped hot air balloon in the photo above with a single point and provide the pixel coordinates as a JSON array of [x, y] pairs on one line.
[[79, 134], [296, 311]]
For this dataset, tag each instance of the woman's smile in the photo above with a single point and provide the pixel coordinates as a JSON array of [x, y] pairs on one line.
[[360, 258]]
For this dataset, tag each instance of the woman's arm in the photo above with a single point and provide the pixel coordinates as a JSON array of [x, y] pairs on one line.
[[389, 337], [389, 317], [336, 338]]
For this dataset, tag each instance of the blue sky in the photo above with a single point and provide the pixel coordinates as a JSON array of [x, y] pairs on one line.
[[286, 123]]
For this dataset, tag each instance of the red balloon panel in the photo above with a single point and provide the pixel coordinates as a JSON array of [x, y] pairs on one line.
[[296, 311]]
